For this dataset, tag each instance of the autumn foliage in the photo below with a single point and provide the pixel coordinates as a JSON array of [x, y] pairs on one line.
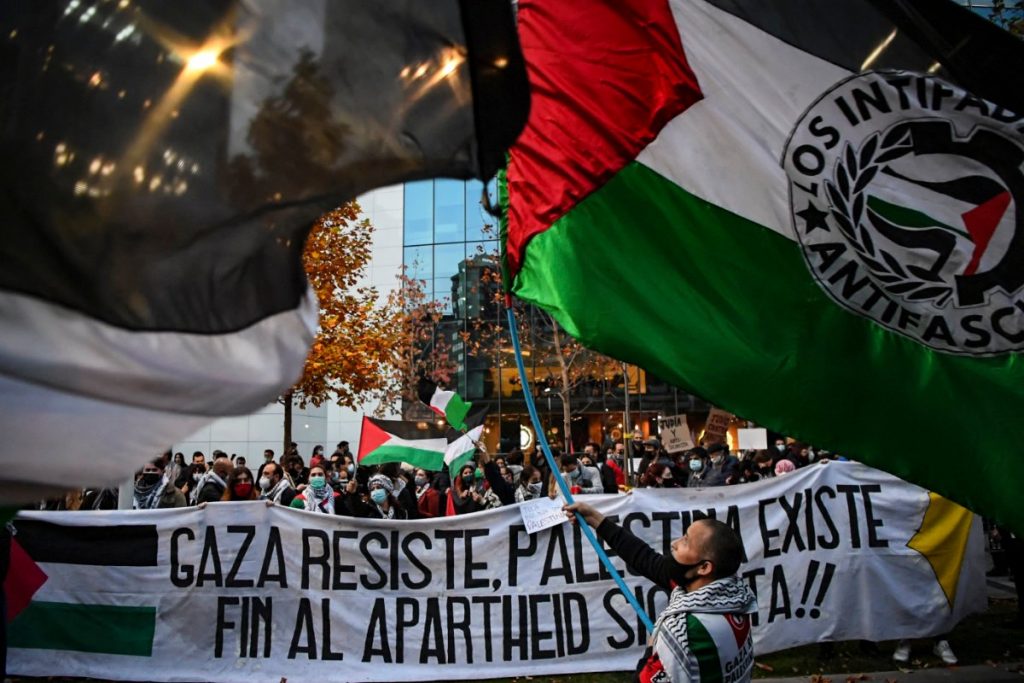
[[352, 358]]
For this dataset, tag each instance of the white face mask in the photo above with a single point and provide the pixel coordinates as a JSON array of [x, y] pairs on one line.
[[717, 459], [264, 483], [780, 446]]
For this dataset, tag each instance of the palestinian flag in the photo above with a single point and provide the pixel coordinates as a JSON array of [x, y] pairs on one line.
[[808, 213], [447, 404], [155, 210], [54, 561], [421, 444], [460, 450]]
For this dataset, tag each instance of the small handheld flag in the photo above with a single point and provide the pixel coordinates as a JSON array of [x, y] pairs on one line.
[[447, 404]]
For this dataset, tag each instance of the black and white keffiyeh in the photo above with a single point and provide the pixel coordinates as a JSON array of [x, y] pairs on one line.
[[322, 501], [730, 595], [148, 497]]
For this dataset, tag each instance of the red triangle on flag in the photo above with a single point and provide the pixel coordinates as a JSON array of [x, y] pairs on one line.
[[371, 438], [24, 578], [981, 223]]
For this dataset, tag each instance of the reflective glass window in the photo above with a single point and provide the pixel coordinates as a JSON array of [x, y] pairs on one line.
[[419, 263], [419, 212], [449, 211], [480, 225], [447, 258]]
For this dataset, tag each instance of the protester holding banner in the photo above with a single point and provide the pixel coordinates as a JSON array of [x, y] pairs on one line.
[[318, 496], [240, 485], [382, 503], [704, 632], [274, 486], [153, 489], [211, 487]]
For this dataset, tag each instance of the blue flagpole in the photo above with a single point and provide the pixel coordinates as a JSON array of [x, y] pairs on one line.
[[563, 487]]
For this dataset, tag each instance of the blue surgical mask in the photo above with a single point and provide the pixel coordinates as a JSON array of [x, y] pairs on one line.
[[351, 469], [420, 481], [378, 496], [318, 482], [696, 465]]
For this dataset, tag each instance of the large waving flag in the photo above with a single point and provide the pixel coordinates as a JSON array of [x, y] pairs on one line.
[[812, 214], [162, 167]]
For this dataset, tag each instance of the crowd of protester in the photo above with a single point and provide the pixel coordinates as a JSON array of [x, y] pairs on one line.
[[336, 485]]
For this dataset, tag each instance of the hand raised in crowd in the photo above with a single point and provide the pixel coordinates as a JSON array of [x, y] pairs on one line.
[[351, 486], [589, 514], [482, 456]]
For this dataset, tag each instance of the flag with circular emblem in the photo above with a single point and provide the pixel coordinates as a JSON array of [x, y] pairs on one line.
[[810, 214]]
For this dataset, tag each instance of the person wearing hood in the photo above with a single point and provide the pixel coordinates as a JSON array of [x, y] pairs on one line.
[[154, 490], [709, 607]]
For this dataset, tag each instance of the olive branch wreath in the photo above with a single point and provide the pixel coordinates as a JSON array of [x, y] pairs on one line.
[[853, 173]]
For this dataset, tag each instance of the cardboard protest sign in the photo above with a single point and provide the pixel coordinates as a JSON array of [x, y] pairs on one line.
[[717, 426], [675, 434]]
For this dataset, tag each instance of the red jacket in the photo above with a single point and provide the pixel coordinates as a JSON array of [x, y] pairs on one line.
[[429, 503]]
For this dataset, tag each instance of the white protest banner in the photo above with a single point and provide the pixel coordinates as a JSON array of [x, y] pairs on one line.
[[540, 513], [238, 592], [675, 434], [716, 427], [752, 439]]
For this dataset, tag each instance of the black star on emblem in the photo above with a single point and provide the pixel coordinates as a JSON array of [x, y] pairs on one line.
[[813, 219]]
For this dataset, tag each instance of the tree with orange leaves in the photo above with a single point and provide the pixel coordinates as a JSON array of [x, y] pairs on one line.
[[352, 360]]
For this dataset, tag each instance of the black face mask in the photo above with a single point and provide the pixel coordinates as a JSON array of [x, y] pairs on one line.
[[150, 478], [678, 571], [467, 479]]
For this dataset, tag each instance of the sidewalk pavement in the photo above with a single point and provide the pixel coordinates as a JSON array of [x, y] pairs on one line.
[[981, 673]]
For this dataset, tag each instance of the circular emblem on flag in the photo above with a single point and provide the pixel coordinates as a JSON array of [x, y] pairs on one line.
[[907, 197]]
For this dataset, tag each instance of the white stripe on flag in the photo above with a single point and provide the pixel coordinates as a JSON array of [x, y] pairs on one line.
[[207, 374], [464, 444], [726, 148]]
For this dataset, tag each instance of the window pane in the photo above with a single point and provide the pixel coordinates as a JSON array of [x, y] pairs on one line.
[[480, 225], [447, 258], [487, 250], [443, 295], [419, 212], [419, 263], [449, 211]]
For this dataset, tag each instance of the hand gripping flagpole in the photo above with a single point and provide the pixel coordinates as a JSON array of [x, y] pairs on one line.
[[563, 487]]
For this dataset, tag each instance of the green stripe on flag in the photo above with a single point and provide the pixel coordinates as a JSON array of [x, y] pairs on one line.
[[417, 457], [704, 649], [728, 309], [456, 411], [106, 629]]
